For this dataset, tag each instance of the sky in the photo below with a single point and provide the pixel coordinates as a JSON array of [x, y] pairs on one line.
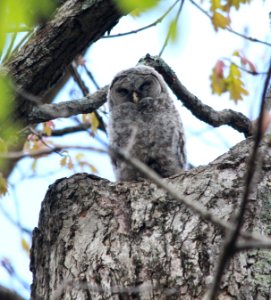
[[192, 57]]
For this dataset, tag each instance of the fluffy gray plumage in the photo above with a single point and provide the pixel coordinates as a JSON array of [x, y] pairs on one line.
[[140, 105]]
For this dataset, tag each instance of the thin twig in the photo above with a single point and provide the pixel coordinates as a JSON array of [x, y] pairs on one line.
[[168, 34], [90, 75], [254, 73], [23, 40], [251, 39], [229, 247], [51, 150], [11, 44], [68, 130], [15, 223], [144, 27], [85, 92]]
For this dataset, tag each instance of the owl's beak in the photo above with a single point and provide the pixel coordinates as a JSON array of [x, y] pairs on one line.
[[135, 97]]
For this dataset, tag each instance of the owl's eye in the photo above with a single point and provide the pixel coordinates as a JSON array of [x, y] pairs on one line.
[[145, 85], [122, 92]]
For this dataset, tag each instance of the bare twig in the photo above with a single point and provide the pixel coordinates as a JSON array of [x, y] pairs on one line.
[[47, 151], [254, 73], [202, 111], [168, 34], [90, 75], [251, 39], [229, 248], [159, 20], [68, 130], [15, 223], [11, 44], [85, 92]]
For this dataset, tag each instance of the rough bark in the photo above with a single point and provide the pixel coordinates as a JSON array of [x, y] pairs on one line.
[[102, 240]]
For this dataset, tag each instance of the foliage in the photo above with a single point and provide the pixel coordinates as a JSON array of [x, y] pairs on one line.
[[232, 83], [136, 6], [15, 16], [220, 11]]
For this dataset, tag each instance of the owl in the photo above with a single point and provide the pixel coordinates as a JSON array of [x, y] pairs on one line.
[[144, 118]]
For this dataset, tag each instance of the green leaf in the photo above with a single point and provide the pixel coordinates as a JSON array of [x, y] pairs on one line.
[[140, 5], [14, 13], [3, 185], [173, 30]]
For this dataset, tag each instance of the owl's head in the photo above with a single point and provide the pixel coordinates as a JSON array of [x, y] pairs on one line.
[[134, 84]]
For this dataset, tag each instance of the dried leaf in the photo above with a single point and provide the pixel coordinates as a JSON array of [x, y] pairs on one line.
[[94, 123], [220, 21], [236, 3], [70, 163], [215, 4], [235, 85], [63, 161], [25, 245], [218, 83], [47, 127], [34, 165]]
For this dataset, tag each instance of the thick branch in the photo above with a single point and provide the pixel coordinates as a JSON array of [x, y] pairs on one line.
[[202, 111], [65, 109], [6, 294]]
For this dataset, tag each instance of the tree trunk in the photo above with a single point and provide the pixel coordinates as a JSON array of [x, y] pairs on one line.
[[102, 240]]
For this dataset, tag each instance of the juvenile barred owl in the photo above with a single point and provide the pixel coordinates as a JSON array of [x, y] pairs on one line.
[[139, 103]]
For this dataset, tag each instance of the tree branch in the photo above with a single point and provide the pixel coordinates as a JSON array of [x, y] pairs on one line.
[[68, 130], [202, 111], [159, 20], [65, 109], [7, 294]]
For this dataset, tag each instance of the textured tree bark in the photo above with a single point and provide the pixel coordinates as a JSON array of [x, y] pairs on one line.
[[102, 240]]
